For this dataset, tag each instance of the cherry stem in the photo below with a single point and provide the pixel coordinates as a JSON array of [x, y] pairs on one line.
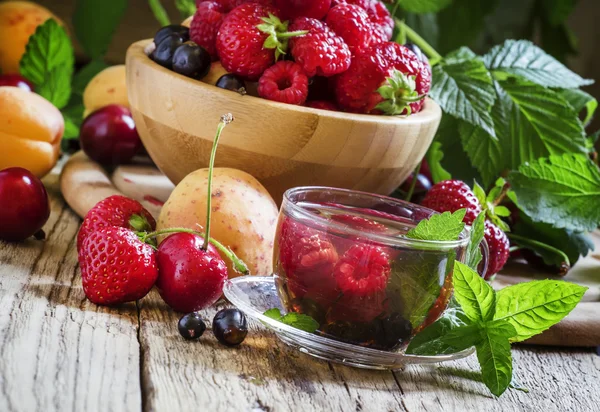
[[238, 264], [502, 194], [225, 120], [414, 37], [413, 184], [525, 241]]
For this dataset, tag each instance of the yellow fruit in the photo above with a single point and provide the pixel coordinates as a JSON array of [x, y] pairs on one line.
[[107, 87], [30, 131], [18, 21], [244, 215]]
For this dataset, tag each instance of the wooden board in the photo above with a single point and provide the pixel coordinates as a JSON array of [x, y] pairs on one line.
[[61, 353]]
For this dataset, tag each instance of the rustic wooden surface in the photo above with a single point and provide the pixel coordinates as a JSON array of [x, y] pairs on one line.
[[59, 352]]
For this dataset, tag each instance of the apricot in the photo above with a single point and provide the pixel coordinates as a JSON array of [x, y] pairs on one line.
[[244, 216], [106, 88], [18, 21], [30, 131]]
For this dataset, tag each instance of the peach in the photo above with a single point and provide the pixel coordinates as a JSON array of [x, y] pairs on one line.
[[18, 21], [30, 131], [106, 88], [244, 215]]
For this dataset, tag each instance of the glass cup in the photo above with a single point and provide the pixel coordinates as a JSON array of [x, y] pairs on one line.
[[340, 257]]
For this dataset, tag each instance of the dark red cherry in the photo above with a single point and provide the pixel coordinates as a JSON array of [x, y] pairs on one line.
[[16, 80]]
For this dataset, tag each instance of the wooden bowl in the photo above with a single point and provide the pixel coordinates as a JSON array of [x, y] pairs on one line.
[[282, 145]]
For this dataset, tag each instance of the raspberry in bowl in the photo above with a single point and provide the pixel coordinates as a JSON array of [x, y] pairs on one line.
[[341, 257]]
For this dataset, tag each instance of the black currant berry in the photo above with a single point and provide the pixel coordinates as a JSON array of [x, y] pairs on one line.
[[230, 327], [191, 60], [232, 82], [181, 31], [165, 50], [191, 326]]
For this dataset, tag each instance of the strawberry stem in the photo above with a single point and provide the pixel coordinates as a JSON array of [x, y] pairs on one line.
[[225, 120], [139, 223], [414, 37], [238, 264]]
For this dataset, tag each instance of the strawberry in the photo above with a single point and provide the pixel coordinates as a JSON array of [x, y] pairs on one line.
[[291, 9], [380, 79], [453, 195], [284, 82], [320, 52], [119, 211], [116, 266], [383, 23], [205, 26], [363, 270], [352, 24], [499, 248], [323, 105], [250, 40]]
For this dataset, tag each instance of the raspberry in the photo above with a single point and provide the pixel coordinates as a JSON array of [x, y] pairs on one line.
[[453, 195], [320, 52], [352, 24], [354, 308], [383, 23], [323, 105], [205, 26], [291, 9], [499, 248], [284, 82], [363, 270]]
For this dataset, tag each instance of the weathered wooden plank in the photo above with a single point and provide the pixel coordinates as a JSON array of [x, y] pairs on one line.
[[58, 352]]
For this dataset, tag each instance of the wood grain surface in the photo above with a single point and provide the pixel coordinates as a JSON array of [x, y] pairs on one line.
[[61, 353]]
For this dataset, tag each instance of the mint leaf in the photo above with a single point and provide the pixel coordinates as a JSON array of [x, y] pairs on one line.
[[477, 233], [273, 313], [464, 89], [476, 298], [535, 306], [186, 7], [95, 22], [524, 59], [441, 227], [581, 100], [86, 74], [430, 341], [563, 191], [464, 337], [424, 6], [48, 62], [300, 321], [495, 359], [434, 157]]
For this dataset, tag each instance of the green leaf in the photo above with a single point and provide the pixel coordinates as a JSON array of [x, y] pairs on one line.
[[474, 295], [434, 157], [581, 100], [430, 341], [426, 25], [48, 62], [464, 89], [95, 22], [535, 306], [524, 59], [495, 359], [557, 11], [464, 337], [273, 313], [73, 116], [86, 74], [563, 191], [441, 227], [424, 6], [477, 233], [186, 7], [479, 193], [159, 12], [300, 321]]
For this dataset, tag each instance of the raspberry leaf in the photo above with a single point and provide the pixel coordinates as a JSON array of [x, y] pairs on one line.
[[533, 307], [474, 295], [524, 59], [581, 100], [463, 87], [563, 191], [477, 234], [493, 354], [441, 227]]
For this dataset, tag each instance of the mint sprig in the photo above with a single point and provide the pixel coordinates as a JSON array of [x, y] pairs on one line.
[[295, 320], [439, 227]]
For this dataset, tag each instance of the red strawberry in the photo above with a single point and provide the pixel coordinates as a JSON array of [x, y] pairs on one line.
[[205, 26], [352, 24], [363, 270], [323, 105], [284, 82], [116, 267], [383, 23], [453, 195], [380, 79], [320, 52], [119, 211], [291, 9], [499, 248], [248, 42]]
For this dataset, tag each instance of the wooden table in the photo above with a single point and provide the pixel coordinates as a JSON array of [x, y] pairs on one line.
[[59, 352]]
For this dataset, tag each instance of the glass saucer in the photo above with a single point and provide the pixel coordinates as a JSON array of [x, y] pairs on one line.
[[253, 295]]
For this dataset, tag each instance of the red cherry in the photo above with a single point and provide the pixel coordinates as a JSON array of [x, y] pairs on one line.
[[190, 278], [109, 136], [24, 204], [16, 80]]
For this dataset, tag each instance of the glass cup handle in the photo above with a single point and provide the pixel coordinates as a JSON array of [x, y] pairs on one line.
[[485, 252]]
